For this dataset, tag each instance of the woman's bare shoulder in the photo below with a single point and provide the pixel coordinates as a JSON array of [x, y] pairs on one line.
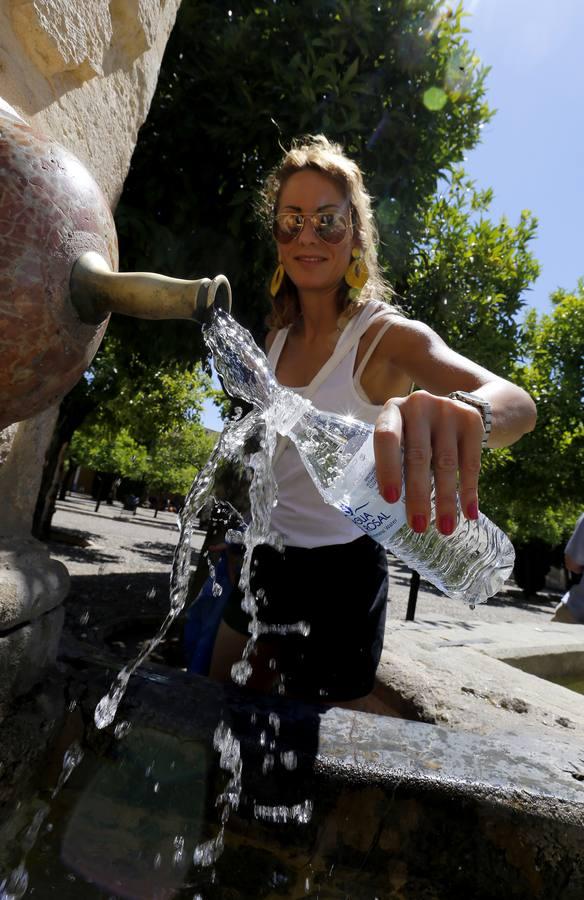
[[408, 334], [395, 326]]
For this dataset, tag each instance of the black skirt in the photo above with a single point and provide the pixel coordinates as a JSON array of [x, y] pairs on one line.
[[340, 592]]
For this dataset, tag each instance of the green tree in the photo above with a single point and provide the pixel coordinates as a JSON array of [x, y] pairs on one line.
[[535, 488], [118, 413], [469, 275], [113, 451], [395, 82], [176, 459]]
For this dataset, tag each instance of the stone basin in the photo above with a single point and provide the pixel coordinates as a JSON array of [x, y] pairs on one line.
[[399, 809], [484, 677]]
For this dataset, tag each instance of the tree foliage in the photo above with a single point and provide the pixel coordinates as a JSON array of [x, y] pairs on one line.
[[535, 488], [108, 450], [395, 82], [470, 274], [150, 430]]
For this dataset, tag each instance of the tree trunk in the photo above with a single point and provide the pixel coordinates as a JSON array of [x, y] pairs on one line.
[[67, 481], [72, 414]]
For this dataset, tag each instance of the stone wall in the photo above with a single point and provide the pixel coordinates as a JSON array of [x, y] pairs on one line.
[[83, 73]]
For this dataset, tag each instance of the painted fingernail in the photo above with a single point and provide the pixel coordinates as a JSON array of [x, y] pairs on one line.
[[419, 523], [472, 510], [391, 493], [446, 524]]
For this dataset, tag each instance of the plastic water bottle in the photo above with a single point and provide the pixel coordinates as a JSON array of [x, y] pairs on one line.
[[471, 564]]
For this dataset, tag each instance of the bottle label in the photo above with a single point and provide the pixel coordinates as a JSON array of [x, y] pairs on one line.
[[359, 499]]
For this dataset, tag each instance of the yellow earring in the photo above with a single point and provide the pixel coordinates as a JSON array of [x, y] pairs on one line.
[[277, 279], [357, 274]]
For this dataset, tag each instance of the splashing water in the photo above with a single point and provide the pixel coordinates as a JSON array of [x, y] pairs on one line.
[[228, 447], [15, 886], [71, 760], [246, 374], [207, 853], [300, 813]]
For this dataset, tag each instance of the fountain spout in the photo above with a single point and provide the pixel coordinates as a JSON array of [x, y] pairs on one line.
[[96, 291], [58, 262]]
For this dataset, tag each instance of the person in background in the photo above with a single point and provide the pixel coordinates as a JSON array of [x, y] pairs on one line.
[[571, 607], [336, 337]]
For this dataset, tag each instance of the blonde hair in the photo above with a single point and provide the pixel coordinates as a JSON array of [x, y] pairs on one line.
[[316, 152]]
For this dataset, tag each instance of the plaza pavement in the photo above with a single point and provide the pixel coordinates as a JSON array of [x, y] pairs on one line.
[[473, 670], [123, 544]]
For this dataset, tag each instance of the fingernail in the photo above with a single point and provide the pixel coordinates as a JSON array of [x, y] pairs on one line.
[[446, 524], [419, 523], [391, 493], [472, 510]]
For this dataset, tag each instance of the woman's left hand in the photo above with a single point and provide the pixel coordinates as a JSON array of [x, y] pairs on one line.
[[440, 437]]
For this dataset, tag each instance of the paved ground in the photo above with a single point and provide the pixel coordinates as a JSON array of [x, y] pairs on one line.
[[130, 556], [445, 667]]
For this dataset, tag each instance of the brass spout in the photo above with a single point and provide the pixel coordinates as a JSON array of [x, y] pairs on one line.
[[96, 291]]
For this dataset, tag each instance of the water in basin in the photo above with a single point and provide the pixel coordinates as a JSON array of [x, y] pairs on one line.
[[128, 821], [572, 682]]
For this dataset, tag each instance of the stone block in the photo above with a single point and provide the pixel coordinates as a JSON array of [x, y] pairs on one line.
[[31, 583], [60, 37], [25, 655]]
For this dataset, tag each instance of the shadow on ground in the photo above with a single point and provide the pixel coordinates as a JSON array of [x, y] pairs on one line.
[[96, 600], [120, 612], [116, 514], [77, 546], [158, 552], [544, 602]]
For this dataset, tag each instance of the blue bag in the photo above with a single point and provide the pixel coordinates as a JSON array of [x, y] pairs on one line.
[[204, 617]]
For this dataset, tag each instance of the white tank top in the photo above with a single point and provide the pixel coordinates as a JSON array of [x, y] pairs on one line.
[[301, 515]]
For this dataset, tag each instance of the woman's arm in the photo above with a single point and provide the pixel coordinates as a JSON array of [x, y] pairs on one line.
[[440, 436]]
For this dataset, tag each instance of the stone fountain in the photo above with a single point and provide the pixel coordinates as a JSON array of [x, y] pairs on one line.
[[387, 790], [59, 285]]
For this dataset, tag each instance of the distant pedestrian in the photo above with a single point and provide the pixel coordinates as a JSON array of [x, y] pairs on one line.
[[571, 607]]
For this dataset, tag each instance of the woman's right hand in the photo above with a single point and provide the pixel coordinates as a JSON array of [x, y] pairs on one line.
[[439, 440]]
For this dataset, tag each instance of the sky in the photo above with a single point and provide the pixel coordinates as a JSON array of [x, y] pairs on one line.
[[532, 152]]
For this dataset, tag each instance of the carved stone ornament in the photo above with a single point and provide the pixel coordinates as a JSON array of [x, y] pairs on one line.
[[51, 212]]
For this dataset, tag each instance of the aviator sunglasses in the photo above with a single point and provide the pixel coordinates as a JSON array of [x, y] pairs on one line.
[[330, 227]]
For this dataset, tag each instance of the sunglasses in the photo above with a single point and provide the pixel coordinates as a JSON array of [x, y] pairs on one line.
[[330, 227]]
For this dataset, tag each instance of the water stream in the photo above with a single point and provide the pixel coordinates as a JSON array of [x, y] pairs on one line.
[[246, 373]]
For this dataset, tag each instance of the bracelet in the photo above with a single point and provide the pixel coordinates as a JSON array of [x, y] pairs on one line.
[[483, 406]]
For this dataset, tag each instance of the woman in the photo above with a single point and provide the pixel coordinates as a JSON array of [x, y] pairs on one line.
[[334, 338]]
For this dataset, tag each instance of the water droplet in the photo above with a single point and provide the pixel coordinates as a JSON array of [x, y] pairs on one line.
[[241, 671], [289, 760], [274, 720], [122, 729]]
